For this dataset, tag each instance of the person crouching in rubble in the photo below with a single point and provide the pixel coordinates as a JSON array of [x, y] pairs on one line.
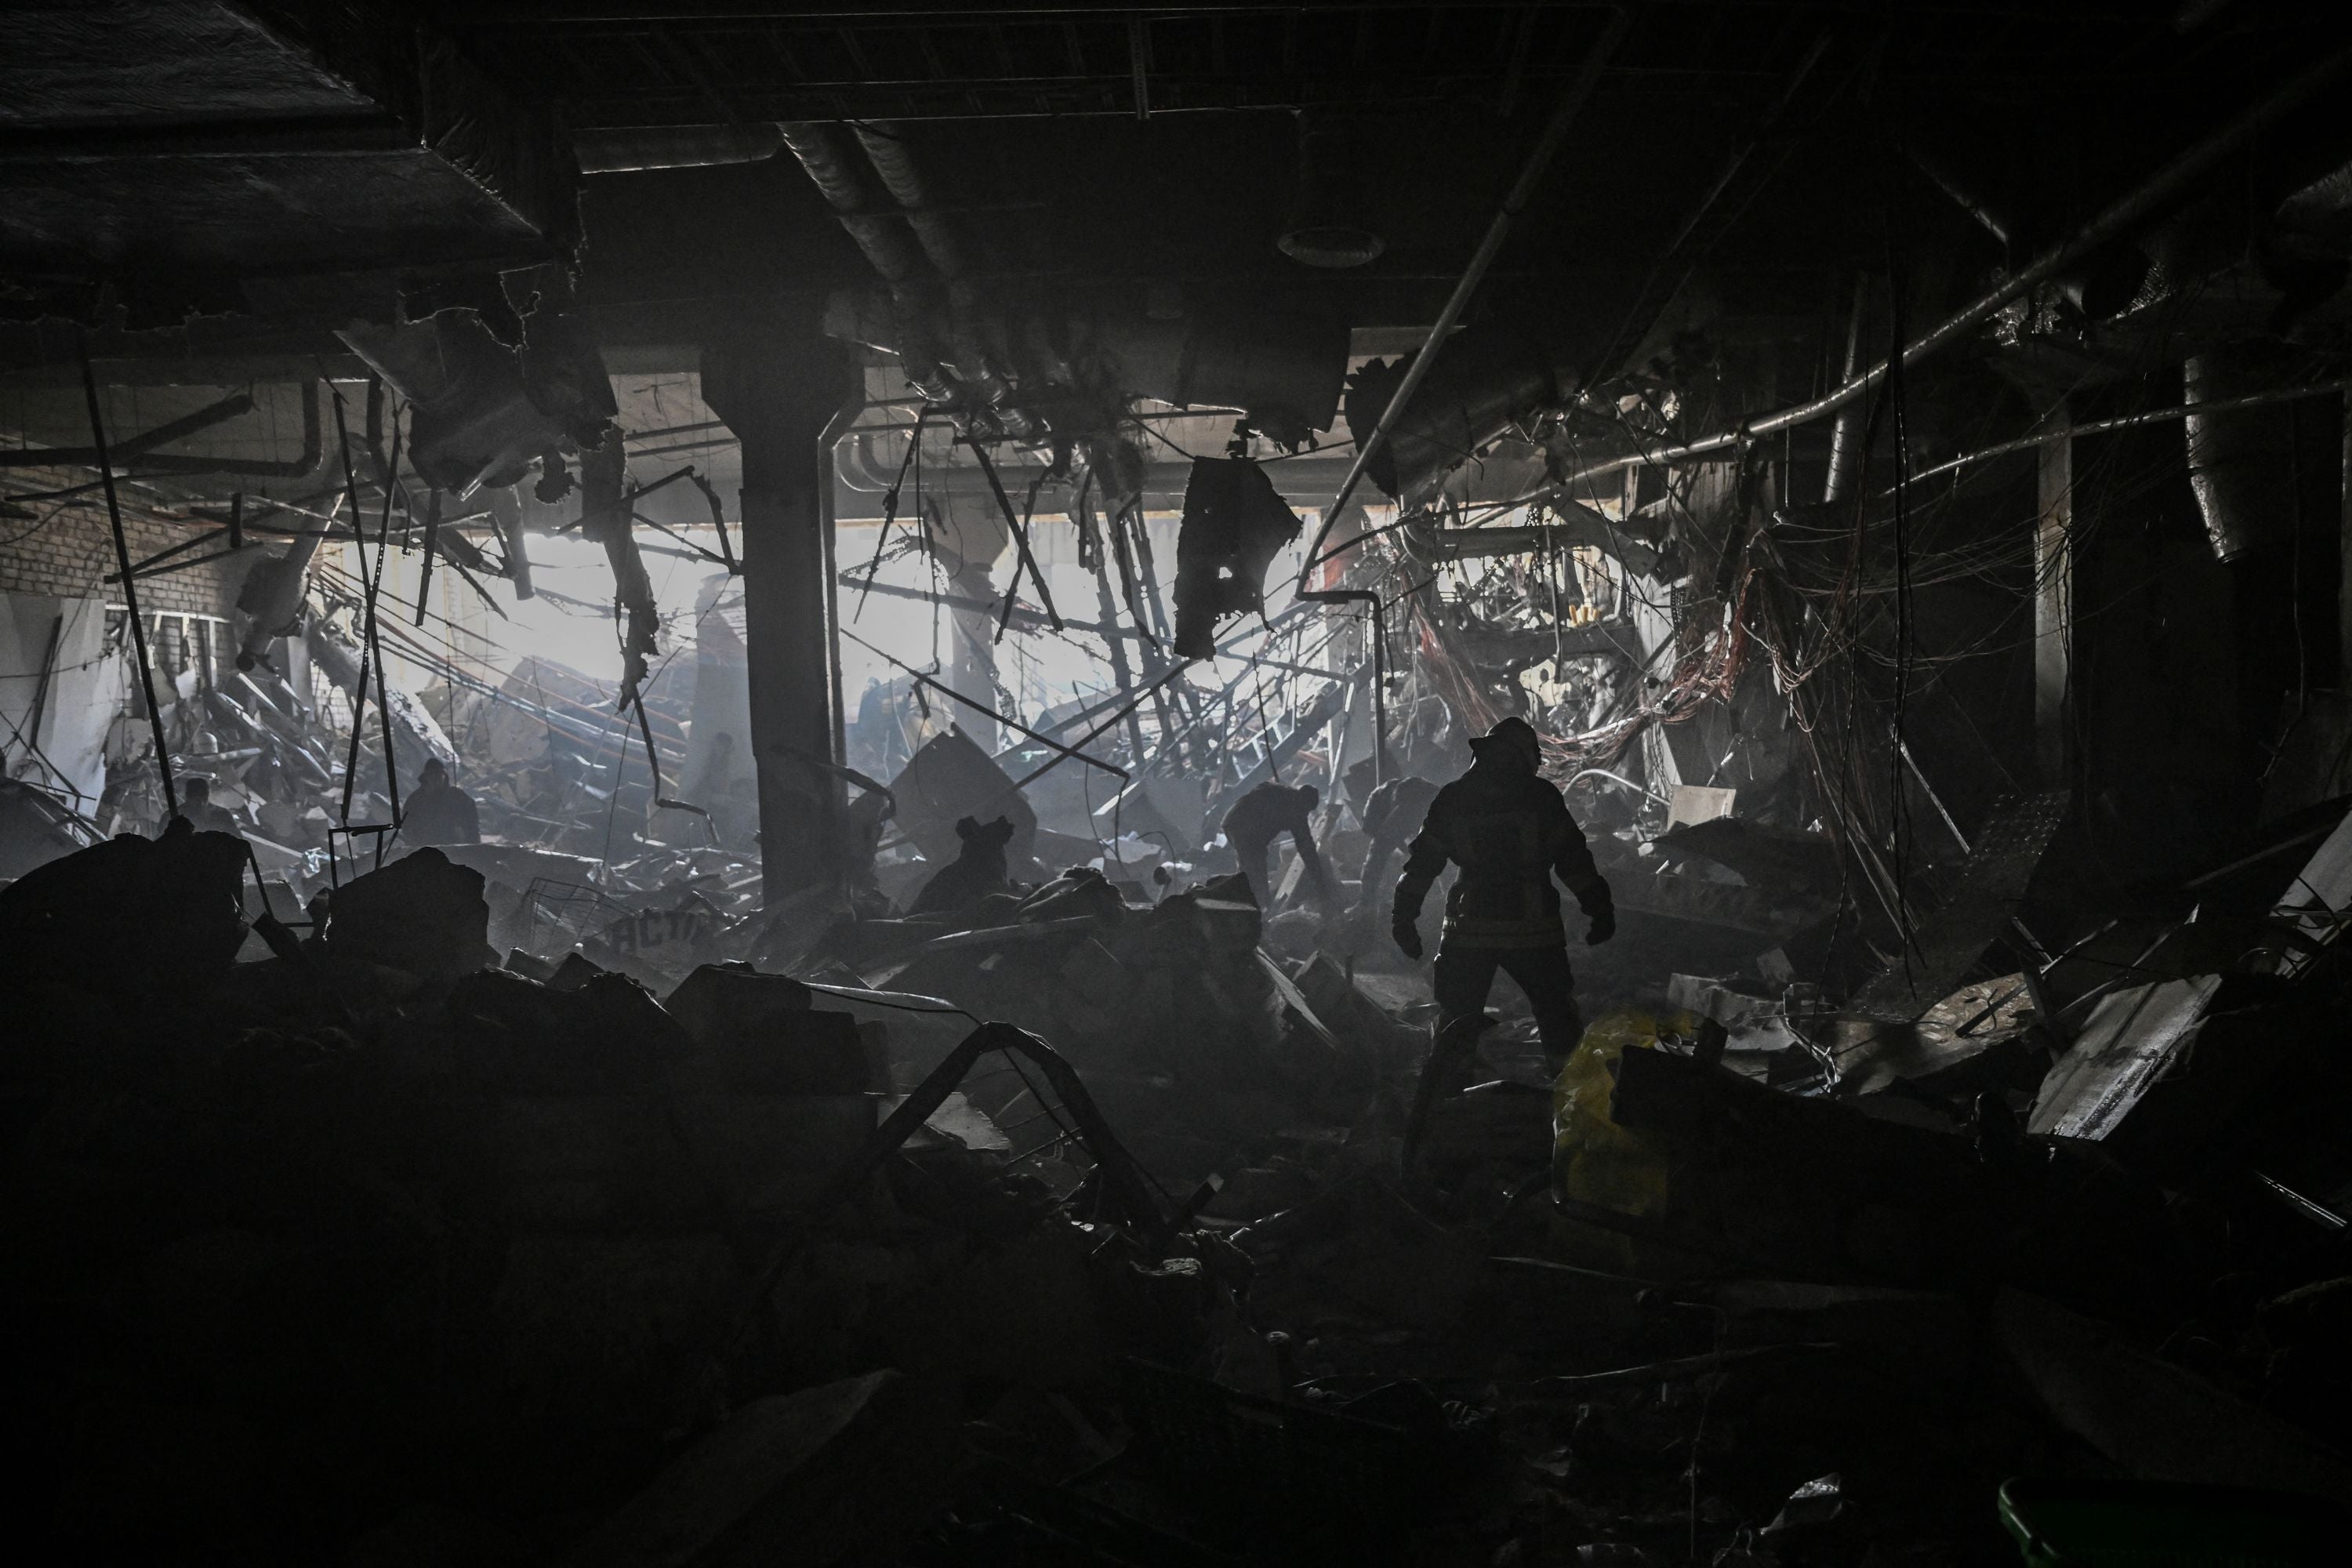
[[1509, 828], [1262, 815]]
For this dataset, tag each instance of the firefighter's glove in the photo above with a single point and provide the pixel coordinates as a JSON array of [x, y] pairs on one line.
[[1408, 936], [1603, 927]]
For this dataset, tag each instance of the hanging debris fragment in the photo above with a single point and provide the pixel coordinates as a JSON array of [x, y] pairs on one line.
[[1235, 525]]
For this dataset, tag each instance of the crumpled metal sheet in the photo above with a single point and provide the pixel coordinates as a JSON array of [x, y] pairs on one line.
[[2007, 849], [2133, 1036]]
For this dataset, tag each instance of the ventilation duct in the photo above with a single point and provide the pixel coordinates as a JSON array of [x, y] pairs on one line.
[[838, 169], [1329, 225], [894, 159], [2240, 463], [944, 242]]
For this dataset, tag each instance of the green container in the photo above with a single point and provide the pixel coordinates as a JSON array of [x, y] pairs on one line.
[[2161, 1524]]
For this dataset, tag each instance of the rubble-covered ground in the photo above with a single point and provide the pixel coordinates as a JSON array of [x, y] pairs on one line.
[[1077, 1226]]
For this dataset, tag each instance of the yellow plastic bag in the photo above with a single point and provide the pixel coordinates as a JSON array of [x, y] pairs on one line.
[[1594, 1160]]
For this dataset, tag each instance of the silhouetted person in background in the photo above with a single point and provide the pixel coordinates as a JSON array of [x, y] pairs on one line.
[[1390, 817], [196, 806], [439, 812], [1509, 828], [1254, 821]]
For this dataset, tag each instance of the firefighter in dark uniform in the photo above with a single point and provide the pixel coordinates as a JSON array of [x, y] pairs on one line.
[[1510, 830]]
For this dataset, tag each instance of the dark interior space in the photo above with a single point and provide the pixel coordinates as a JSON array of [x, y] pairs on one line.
[[1023, 782]]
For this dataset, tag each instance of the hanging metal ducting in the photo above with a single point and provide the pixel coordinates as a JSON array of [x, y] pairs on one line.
[[2240, 463], [415, 731], [940, 235], [1486, 377], [274, 595], [1328, 224], [947, 246], [834, 162], [1846, 436], [843, 176]]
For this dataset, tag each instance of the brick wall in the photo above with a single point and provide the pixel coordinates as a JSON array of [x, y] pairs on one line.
[[70, 554]]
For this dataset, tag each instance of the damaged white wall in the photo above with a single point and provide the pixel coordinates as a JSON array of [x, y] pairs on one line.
[[86, 691]]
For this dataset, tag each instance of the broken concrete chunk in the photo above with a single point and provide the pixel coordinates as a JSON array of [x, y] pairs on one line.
[[421, 913], [758, 1033], [718, 997], [576, 970], [529, 966], [131, 912], [848, 1473]]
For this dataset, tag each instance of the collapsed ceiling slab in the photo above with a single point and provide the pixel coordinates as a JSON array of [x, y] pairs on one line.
[[194, 156]]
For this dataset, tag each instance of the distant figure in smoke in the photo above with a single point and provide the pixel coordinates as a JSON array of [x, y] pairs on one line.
[[1510, 830], [717, 770], [878, 738], [1259, 818], [196, 806], [439, 812]]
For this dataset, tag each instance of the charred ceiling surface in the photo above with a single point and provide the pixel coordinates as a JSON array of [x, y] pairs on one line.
[[196, 158], [727, 726]]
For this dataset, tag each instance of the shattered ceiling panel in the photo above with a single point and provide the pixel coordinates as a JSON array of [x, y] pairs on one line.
[[157, 62], [169, 153]]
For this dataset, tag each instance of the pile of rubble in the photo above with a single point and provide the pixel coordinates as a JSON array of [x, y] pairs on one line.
[[1061, 1222]]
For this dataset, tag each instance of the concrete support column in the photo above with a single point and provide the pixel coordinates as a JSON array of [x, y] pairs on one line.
[[779, 386], [969, 541], [2053, 602]]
